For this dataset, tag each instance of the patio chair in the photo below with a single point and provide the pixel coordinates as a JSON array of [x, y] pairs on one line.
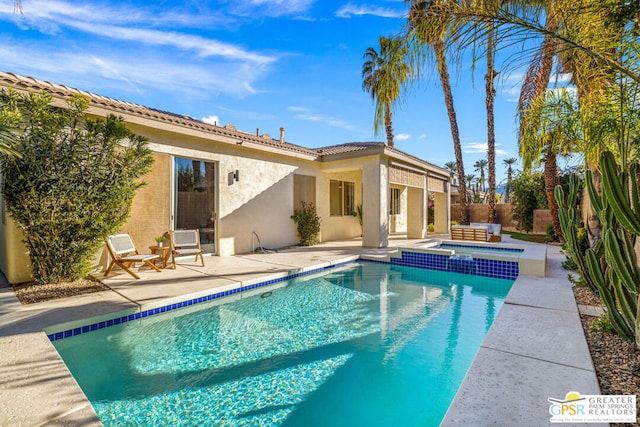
[[184, 243], [125, 254]]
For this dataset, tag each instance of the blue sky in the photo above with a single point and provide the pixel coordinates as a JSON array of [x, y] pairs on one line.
[[253, 63]]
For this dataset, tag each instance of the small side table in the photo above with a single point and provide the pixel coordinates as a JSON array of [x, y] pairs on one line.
[[163, 251]]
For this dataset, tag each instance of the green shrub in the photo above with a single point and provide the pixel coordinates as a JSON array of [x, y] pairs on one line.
[[431, 228], [551, 233], [73, 183], [307, 223], [603, 324], [527, 194]]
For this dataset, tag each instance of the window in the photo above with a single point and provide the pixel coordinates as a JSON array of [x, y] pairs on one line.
[[394, 206], [304, 190], [341, 198]]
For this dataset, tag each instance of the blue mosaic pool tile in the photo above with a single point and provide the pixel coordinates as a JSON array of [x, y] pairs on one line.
[[136, 316], [477, 266], [481, 267], [423, 260]]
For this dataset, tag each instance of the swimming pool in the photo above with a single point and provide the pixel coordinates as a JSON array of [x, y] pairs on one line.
[[363, 344]]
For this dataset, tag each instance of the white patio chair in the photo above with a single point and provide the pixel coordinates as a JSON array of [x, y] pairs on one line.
[[125, 254], [184, 243]]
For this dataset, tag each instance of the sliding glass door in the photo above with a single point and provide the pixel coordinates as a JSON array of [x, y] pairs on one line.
[[194, 199]]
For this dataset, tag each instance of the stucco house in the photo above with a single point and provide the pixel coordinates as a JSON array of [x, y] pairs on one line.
[[237, 187]]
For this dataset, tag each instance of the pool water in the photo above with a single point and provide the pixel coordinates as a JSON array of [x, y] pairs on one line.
[[364, 344]]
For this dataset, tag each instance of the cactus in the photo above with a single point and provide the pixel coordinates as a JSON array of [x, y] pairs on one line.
[[618, 278], [568, 214], [615, 189], [611, 266]]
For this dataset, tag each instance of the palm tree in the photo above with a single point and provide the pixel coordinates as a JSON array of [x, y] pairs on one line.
[[538, 73], [509, 164], [426, 29], [552, 128], [452, 167], [480, 166], [383, 75], [592, 29], [474, 189], [490, 91]]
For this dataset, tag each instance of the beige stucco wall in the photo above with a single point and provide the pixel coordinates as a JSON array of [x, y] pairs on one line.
[[338, 227], [14, 258], [260, 202], [151, 209]]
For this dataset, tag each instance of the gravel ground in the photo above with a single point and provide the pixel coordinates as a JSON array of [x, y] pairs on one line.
[[613, 358], [29, 293]]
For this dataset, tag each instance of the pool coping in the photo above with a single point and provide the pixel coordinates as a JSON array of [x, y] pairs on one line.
[[37, 388]]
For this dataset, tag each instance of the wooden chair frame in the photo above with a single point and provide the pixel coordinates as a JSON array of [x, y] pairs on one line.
[[185, 242], [124, 254]]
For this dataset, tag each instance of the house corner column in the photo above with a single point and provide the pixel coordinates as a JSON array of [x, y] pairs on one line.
[[375, 204], [442, 210], [417, 212]]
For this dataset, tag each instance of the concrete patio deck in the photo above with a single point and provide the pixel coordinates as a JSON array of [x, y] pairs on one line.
[[534, 350]]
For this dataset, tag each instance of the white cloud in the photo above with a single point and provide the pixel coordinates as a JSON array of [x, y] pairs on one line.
[[326, 120], [350, 10], [423, 136], [271, 8], [481, 148], [297, 108], [403, 136], [153, 58], [41, 12], [143, 72], [131, 25], [211, 119], [204, 47]]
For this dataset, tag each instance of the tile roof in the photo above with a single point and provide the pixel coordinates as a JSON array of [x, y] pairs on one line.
[[131, 109], [348, 147], [32, 84]]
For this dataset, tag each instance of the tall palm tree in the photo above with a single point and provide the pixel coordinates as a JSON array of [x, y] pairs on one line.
[[480, 166], [552, 128], [509, 164], [453, 168], [538, 73], [490, 91], [474, 189], [428, 30], [383, 75]]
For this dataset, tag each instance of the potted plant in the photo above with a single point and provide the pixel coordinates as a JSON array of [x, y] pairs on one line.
[[159, 240]]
